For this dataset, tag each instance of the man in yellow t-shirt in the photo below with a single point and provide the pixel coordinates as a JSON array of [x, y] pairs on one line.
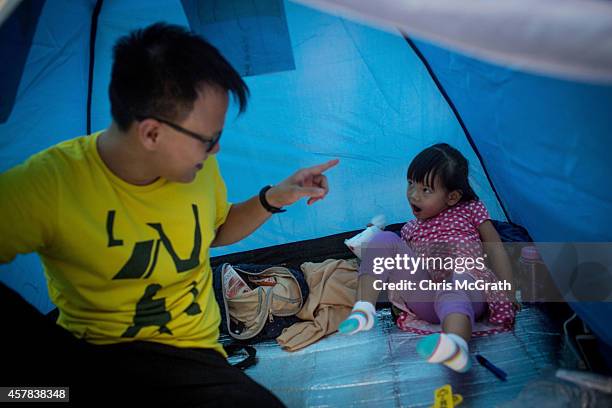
[[123, 221]]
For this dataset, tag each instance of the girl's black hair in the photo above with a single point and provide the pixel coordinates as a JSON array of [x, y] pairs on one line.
[[448, 164]]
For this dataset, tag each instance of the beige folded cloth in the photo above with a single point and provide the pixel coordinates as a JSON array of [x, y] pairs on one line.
[[333, 290]]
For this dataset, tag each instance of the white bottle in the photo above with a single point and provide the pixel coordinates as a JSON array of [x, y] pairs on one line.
[[357, 242]]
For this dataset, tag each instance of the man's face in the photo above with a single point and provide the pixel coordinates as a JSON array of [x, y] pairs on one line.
[[183, 156]]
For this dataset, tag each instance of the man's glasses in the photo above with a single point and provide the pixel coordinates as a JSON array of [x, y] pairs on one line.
[[210, 142]]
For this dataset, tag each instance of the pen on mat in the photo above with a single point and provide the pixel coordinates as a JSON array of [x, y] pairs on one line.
[[498, 372]]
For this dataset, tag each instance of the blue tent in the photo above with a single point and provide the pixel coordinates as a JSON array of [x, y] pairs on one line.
[[324, 86]]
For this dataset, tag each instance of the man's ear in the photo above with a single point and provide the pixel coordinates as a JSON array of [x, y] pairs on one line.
[[147, 131], [453, 197]]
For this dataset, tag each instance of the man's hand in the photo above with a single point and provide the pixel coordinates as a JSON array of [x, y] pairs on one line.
[[308, 182]]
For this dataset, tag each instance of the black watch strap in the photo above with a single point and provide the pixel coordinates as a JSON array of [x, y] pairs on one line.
[[266, 204]]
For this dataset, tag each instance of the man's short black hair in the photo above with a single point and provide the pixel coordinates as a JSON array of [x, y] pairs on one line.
[[158, 70]]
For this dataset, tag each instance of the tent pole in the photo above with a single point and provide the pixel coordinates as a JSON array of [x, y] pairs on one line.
[[92, 52]]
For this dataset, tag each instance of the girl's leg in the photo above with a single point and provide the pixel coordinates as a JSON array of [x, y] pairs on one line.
[[457, 310], [385, 245]]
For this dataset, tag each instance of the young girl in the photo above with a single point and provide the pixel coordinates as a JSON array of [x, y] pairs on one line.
[[450, 222]]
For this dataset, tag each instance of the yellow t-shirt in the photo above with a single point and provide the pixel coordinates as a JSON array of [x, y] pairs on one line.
[[123, 262]]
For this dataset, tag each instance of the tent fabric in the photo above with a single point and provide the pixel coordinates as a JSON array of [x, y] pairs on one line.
[[548, 159], [49, 108], [352, 92], [259, 28], [567, 39], [545, 158], [16, 40]]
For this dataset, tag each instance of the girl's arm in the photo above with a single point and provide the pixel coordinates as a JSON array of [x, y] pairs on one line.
[[497, 254]]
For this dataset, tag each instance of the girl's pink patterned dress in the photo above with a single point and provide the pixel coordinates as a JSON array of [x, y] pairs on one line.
[[456, 229]]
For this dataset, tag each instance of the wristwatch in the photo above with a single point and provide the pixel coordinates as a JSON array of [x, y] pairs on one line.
[[266, 204]]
